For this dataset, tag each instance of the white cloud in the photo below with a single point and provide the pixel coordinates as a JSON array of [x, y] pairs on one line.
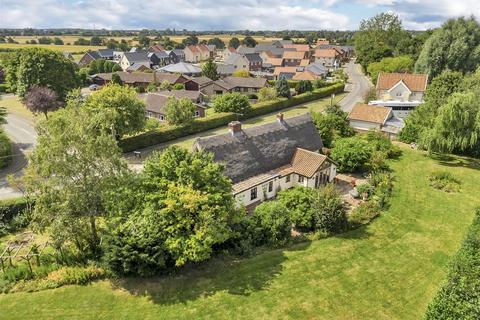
[[160, 14]]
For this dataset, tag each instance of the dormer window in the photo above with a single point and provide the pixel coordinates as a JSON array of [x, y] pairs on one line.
[[399, 94]]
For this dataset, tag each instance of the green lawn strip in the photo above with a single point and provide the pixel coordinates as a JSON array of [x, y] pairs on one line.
[[390, 269], [15, 106]]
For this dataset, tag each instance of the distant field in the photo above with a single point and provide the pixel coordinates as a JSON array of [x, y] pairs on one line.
[[66, 48]]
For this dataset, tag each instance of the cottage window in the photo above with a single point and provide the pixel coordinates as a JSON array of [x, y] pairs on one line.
[[197, 113], [287, 179], [300, 179], [270, 186], [253, 193], [161, 117]]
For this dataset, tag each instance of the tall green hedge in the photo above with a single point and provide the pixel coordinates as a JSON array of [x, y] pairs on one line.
[[168, 133], [459, 297]]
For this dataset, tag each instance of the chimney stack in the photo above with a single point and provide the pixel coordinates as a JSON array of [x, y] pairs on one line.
[[280, 117], [235, 127]]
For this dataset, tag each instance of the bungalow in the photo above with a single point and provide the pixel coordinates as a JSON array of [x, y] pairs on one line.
[[304, 75], [156, 103], [183, 68], [265, 159], [402, 92], [130, 58], [327, 57], [106, 54], [285, 72], [319, 70], [365, 117], [143, 79], [234, 84]]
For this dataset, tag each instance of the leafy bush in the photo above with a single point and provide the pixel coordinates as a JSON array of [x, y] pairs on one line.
[[267, 94], [152, 124], [61, 277], [365, 188], [351, 153], [364, 213], [178, 86], [12, 215], [329, 210], [5, 150], [383, 184], [282, 88], [298, 202], [168, 133], [445, 181], [459, 297], [304, 86], [273, 223], [231, 102]]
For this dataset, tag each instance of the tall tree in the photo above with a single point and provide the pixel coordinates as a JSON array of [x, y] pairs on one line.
[[37, 66], [217, 42], [209, 70], [75, 161], [377, 38], [232, 102], [41, 100], [455, 46], [282, 87], [128, 111], [392, 64], [180, 111], [234, 43], [249, 42]]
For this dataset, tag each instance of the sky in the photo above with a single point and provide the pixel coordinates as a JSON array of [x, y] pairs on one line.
[[203, 15]]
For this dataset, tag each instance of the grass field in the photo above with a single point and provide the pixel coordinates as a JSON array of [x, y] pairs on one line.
[[63, 48], [388, 270], [14, 105]]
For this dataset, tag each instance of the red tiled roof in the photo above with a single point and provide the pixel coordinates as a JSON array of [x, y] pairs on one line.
[[414, 82], [365, 112], [329, 53]]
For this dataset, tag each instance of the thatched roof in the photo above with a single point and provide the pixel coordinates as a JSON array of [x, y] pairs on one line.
[[260, 149]]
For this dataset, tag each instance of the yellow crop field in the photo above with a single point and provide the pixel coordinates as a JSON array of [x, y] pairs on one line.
[[63, 48]]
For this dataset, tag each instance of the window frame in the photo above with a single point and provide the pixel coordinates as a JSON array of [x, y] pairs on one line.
[[253, 193]]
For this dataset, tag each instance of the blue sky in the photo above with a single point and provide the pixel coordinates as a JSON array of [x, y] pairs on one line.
[[226, 15]]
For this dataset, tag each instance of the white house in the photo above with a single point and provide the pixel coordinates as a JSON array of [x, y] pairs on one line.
[[265, 159], [402, 92], [365, 117]]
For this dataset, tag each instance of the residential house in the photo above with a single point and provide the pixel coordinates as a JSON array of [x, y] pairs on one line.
[[254, 61], [294, 58], [285, 72], [270, 64], [243, 50], [349, 51], [238, 61], [402, 92], [329, 58], [225, 70], [281, 43], [318, 69], [197, 53], [143, 79], [264, 160], [201, 81], [156, 48], [182, 68], [234, 84], [88, 57], [156, 103], [130, 58], [106, 54], [304, 75], [365, 117], [160, 58], [322, 42], [226, 53], [299, 48], [117, 56], [176, 55]]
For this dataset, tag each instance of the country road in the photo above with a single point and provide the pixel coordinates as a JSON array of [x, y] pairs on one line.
[[24, 137], [358, 85]]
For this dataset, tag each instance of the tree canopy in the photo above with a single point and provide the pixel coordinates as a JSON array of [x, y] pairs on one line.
[[41, 100], [234, 43], [401, 64], [180, 111], [231, 102], [42, 67], [454, 46], [128, 112], [209, 70]]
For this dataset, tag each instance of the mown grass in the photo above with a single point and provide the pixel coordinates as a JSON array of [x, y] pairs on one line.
[[63, 48], [15, 106], [390, 269]]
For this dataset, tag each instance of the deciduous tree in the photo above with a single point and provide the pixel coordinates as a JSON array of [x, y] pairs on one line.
[[41, 100], [180, 111]]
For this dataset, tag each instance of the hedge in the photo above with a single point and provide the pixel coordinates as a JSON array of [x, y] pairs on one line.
[[11, 207], [6, 150], [459, 297], [168, 133]]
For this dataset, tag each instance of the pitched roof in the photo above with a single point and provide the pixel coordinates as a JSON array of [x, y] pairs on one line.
[[139, 66], [128, 77], [156, 48], [260, 149], [298, 47], [182, 67], [276, 62], [305, 75], [179, 94], [280, 70], [140, 56], [232, 59], [330, 53], [201, 80], [305, 163], [105, 53], [203, 47], [253, 57], [156, 103], [193, 48], [94, 54], [304, 62], [317, 69], [243, 50], [225, 69], [369, 113], [245, 82], [414, 82], [298, 55]]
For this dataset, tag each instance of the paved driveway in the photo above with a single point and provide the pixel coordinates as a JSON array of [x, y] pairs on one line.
[[358, 85]]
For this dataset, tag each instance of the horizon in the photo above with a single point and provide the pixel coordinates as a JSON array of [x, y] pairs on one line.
[[206, 16]]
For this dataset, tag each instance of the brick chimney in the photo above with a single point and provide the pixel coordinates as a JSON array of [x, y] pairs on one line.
[[235, 127], [280, 117]]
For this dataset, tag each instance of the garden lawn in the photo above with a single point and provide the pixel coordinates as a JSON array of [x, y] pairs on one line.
[[390, 269], [15, 106]]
